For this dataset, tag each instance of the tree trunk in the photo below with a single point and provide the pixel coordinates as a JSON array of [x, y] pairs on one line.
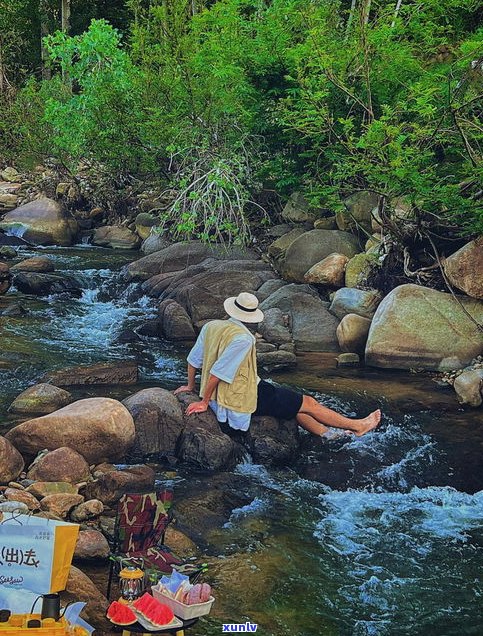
[[66, 16], [350, 18], [44, 31], [396, 12]]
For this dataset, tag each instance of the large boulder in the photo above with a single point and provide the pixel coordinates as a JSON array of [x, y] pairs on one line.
[[100, 429], [42, 222], [6, 239], [11, 461], [359, 268], [464, 268], [40, 399], [352, 333], [111, 373], [283, 297], [298, 210], [117, 237], [80, 588], [174, 322], [312, 247], [274, 327], [313, 326], [109, 487], [278, 248], [359, 206], [420, 327], [350, 300], [329, 271], [39, 284], [38, 264], [62, 464], [91, 545], [158, 422], [272, 441], [178, 256], [5, 278]]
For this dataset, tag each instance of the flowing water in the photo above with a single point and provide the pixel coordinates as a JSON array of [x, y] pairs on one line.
[[380, 535]]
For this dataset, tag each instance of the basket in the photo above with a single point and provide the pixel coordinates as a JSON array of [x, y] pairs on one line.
[[181, 610]]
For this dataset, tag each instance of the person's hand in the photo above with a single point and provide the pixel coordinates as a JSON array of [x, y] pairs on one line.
[[184, 389], [196, 407]]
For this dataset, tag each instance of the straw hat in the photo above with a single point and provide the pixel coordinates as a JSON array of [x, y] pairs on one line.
[[243, 307]]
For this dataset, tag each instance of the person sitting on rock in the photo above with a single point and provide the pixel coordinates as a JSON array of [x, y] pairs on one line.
[[226, 354]]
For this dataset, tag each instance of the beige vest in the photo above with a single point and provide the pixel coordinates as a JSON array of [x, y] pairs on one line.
[[241, 395]]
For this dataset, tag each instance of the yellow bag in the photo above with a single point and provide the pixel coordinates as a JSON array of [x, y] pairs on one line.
[[36, 553]]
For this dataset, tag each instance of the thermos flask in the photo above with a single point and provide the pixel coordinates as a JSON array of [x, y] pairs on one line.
[[50, 606]]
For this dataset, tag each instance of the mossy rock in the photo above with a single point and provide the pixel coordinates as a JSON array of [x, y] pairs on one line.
[[359, 267]]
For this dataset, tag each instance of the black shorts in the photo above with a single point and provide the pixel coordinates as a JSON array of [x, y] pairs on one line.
[[284, 404]]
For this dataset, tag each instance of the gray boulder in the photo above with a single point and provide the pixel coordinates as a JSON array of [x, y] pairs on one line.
[[314, 328], [47, 284], [468, 386], [464, 268], [175, 324], [274, 328], [350, 300]]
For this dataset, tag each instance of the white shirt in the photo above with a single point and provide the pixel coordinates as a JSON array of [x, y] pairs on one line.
[[225, 368]]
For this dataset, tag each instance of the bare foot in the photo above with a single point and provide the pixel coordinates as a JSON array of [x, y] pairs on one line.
[[369, 423]]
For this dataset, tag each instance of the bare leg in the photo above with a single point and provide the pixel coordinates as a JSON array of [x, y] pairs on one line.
[[310, 424], [327, 416]]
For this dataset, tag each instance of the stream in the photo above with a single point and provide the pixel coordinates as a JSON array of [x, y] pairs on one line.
[[379, 535]]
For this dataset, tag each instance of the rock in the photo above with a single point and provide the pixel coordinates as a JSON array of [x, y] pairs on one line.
[[180, 543], [116, 237], [144, 222], [47, 284], [298, 210], [274, 327], [359, 267], [312, 247], [283, 298], [38, 264], [264, 347], [11, 461], [9, 174], [348, 360], [175, 324], [157, 285], [124, 372], [5, 278], [87, 510], [7, 253], [80, 588], [100, 429], [178, 256], [202, 444], [62, 464], [5, 239], [274, 360], [326, 223], [464, 268], [91, 544], [18, 507], [42, 222], [8, 201], [273, 442], [313, 326], [372, 243], [127, 335], [419, 327], [278, 248], [352, 333], [154, 243], [329, 271], [269, 287], [110, 487], [158, 422], [359, 207], [349, 300], [14, 494], [468, 387], [41, 489], [40, 399], [15, 310], [60, 504], [149, 328]]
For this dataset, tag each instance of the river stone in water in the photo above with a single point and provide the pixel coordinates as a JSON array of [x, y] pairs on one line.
[[112, 373], [329, 271], [468, 386], [158, 422], [274, 360], [283, 298], [419, 327], [42, 222], [91, 544], [5, 278], [40, 399], [273, 442], [350, 300], [312, 247], [175, 324], [7, 253], [100, 429], [11, 461], [464, 268], [116, 237], [352, 333], [38, 264], [47, 284], [62, 464]]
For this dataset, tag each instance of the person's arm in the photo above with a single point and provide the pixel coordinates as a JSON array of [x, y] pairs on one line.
[[202, 406], [195, 362]]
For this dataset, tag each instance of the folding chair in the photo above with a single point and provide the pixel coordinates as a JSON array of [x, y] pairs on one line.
[[141, 522]]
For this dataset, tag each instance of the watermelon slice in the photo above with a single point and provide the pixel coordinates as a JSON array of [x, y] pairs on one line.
[[120, 614], [154, 611]]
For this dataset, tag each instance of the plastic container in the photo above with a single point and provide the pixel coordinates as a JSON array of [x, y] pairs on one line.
[[17, 626], [181, 610]]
